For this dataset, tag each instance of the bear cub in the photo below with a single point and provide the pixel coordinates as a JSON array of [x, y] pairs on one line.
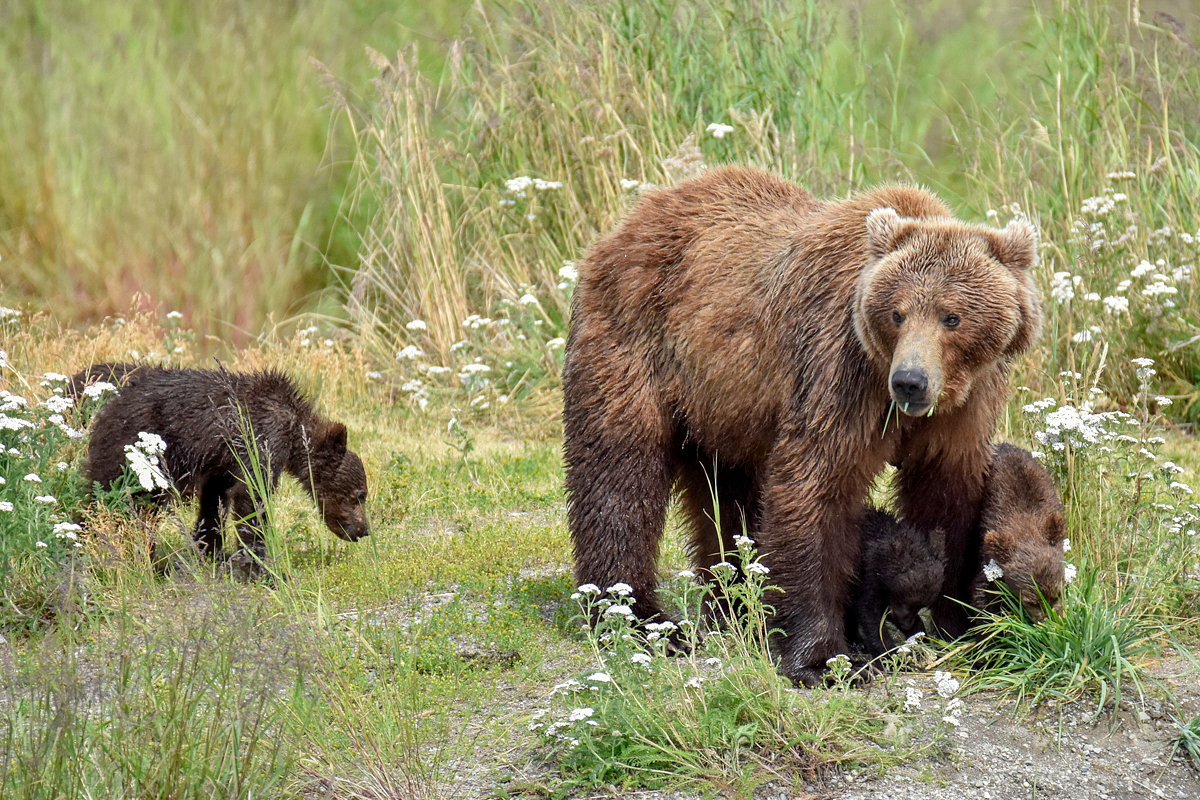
[[901, 571], [1023, 531], [204, 417]]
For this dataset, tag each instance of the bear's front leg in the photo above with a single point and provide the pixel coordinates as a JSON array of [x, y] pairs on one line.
[[810, 542], [947, 494]]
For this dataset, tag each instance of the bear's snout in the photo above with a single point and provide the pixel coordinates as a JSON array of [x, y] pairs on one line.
[[910, 389]]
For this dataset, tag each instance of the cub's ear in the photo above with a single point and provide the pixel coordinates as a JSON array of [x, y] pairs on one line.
[[1015, 246], [998, 545], [1055, 529], [885, 230], [332, 440]]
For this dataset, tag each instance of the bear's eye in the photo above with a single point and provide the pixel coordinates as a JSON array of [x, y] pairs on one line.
[[362, 498], [951, 321], [897, 318]]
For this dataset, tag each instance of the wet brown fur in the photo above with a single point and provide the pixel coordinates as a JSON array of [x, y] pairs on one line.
[[901, 571], [1023, 531], [202, 416], [735, 329]]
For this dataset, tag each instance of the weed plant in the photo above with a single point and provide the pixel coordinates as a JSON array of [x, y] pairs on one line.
[[685, 703], [1188, 739], [1095, 648], [185, 709]]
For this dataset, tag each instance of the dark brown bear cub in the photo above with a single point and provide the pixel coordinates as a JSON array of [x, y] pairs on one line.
[[204, 416], [901, 572], [1024, 529]]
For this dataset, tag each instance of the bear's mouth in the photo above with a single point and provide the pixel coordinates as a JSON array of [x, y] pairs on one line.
[[914, 409]]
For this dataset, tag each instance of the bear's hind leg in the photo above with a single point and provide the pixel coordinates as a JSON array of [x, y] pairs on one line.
[[250, 518], [211, 518], [618, 480]]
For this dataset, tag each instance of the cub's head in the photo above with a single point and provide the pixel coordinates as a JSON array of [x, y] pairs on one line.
[[915, 582], [339, 484], [1028, 548], [939, 302]]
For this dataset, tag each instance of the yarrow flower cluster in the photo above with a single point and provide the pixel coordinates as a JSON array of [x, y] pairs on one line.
[[719, 129], [143, 456]]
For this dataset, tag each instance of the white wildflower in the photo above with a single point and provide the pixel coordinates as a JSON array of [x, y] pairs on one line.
[[1116, 304], [1069, 572], [693, 682], [518, 185], [1142, 269], [99, 389], [33, 478], [600, 677], [417, 325], [718, 130], [993, 571], [641, 659], [45, 499], [412, 353], [580, 714], [623, 611], [757, 568], [912, 698], [628, 184], [6, 505], [1062, 287], [947, 684], [589, 588]]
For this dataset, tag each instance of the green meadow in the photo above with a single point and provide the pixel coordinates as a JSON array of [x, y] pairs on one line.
[[387, 201]]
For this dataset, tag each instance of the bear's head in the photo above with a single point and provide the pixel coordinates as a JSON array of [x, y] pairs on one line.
[[339, 483], [1029, 550], [916, 580], [939, 302]]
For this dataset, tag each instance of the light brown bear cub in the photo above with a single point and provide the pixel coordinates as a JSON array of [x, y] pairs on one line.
[[734, 328], [1023, 532]]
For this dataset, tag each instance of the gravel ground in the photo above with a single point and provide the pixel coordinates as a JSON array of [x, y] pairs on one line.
[[1058, 752]]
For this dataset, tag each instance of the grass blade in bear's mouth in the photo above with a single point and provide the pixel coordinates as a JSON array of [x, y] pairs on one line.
[[915, 409]]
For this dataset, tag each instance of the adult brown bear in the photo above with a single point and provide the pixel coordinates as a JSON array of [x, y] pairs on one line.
[[735, 330]]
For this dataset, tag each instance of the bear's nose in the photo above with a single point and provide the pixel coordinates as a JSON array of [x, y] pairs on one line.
[[910, 385]]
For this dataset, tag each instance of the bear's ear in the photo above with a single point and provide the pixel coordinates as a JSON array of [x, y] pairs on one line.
[[998, 545], [1015, 246], [885, 229], [1055, 528], [332, 441]]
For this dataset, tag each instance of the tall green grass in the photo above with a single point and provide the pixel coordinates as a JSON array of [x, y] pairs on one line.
[[179, 150], [1005, 111]]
